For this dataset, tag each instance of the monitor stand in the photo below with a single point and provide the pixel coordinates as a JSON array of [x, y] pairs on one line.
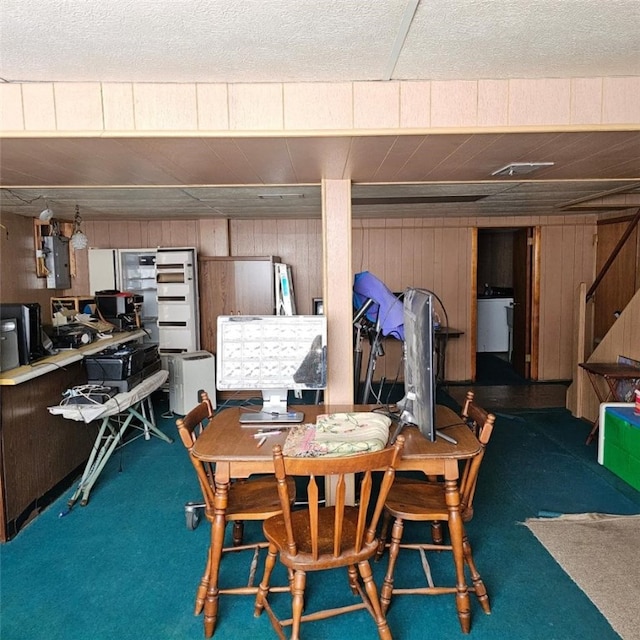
[[274, 410]]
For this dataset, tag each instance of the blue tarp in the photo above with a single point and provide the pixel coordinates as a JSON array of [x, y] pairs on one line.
[[387, 307]]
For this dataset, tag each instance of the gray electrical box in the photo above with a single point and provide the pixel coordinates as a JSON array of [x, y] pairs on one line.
[[56, 249]]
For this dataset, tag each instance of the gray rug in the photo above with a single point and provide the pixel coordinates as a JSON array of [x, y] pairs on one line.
[[601, 553]]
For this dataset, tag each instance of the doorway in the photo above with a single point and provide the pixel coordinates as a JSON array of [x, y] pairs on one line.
[[504, 287]]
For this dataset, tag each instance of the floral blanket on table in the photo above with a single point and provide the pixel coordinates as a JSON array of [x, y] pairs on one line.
[[339, 434]]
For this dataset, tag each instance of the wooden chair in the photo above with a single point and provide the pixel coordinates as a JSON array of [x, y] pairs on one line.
[[424, 501], [320, 538], [251, 499]]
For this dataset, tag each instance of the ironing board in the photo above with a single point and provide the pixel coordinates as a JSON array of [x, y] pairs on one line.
[[117, 415]]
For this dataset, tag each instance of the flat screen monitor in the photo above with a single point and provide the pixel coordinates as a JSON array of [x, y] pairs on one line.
[[28, 318], [419, 402], [273, 355]]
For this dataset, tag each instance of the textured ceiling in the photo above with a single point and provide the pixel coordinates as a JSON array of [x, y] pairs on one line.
[[306, 41], [311, 40]]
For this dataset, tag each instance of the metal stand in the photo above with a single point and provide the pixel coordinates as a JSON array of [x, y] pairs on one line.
[[376, 350], [109, 438], [374, 332]]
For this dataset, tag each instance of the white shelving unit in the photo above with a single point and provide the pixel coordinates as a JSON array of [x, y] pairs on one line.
[[177, 295]]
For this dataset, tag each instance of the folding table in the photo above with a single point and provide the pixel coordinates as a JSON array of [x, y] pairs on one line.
[[128, 409], [613, 373]]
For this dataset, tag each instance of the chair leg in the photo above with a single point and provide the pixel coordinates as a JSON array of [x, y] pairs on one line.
[[384, 531], [456, 532], [436, 532], [263, 589], [394, 548], [353, 579], [480, 589], [238, 533], [372, 593], [297, 604], [217, 543], [201, 593]]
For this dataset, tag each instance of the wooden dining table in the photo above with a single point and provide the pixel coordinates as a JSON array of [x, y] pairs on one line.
[[236, 454]]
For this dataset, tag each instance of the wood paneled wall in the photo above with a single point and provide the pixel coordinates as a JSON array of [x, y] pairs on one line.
[[297, 243], [495, 258], [437, 254], [422, 252], [622, 279], [434, 253], [18, 281], [567, 258], [623, 339]]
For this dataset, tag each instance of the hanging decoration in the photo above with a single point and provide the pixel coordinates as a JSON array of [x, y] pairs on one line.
[[78, 239]]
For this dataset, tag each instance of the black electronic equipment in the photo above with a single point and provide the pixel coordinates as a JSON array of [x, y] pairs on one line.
[[115, 363], [123, 366], [124, 322], [122, 309], [28, 318], [113, 304], [71, 336], [121, 362]]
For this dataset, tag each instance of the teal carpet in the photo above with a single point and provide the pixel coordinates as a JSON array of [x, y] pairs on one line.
[[126, 566]]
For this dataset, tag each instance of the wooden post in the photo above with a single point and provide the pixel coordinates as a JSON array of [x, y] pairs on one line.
[[338, 289]]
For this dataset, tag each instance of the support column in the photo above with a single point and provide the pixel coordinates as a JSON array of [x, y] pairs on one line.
[[338, 289]]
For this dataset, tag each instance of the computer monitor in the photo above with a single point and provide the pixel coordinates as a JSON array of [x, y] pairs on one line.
[[273, 355], [28, 318], [419, 402]]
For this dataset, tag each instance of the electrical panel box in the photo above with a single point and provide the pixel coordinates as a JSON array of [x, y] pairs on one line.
[[56, 250]]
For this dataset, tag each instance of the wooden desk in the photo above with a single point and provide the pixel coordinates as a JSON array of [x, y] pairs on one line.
[[613, 373], [66, 357], [442, 336], [234, 451]]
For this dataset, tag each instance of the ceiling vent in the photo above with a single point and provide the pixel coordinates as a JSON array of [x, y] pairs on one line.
[[520, 168]]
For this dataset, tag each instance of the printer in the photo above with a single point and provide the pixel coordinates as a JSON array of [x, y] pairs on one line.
[[122, 366]]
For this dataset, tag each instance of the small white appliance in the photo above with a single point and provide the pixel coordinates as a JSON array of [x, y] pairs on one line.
[[493, 325], [189, 374], [9, 357]]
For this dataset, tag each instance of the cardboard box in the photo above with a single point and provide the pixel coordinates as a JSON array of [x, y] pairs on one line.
[[69, 306]]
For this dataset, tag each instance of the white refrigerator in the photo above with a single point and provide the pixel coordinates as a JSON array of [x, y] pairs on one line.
[[131, 270], [167, 279], [494, 331]]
